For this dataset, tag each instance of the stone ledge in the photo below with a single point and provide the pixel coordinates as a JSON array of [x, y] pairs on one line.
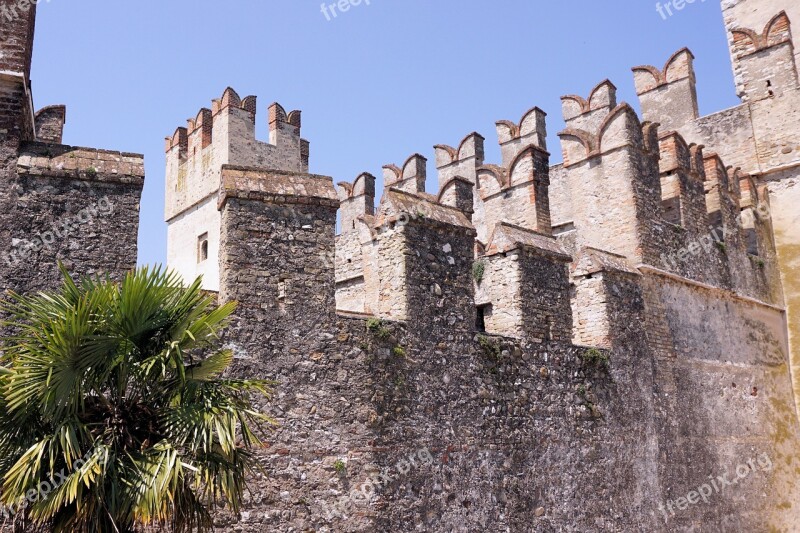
[[507, 237], [276, 186], [647, 269], [419, 208], [592, 260], [88, 164]]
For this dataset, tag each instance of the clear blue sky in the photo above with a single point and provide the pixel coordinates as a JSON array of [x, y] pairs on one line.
[[376, 84]]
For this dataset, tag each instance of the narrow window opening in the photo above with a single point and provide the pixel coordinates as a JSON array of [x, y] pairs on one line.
[[750, 231], [483, 311], [751, 241], [202, 248], [671, 208]]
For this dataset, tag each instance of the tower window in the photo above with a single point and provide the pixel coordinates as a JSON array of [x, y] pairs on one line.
[[484, 311], [202, 248]]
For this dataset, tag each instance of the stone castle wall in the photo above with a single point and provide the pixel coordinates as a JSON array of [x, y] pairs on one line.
[[585, 347]]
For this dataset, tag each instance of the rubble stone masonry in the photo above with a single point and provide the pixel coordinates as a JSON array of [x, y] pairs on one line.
[[533, 348]]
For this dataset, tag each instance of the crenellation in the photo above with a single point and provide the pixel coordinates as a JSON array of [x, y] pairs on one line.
[[200, 130], [178, 144], [516, 138], [669, 95], [353, 271], [518, 193], [459, 193], [764, 61], [221, 135], [284, 129], [588, 113], [614, 181], [357, 199], [425, 253], [525, 286], [410, 177], [682, 184], [463, 163], [721, 205], [674, 153], [50, 122], [593, 274]]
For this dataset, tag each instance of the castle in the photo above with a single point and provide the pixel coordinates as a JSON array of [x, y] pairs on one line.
[[600, 345]]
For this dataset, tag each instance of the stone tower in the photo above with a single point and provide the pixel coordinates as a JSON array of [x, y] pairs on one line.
[[222, 135], [759, 140], [765, 49]]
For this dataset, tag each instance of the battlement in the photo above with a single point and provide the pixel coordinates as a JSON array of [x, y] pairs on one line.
[[524, 290], [619, 128], [531, 131], [775, 33], [410, 178], [50, 122], [668, 95], [462, 161], [588, 113], [220, 135], [357, 199], [765, 59], [462, 164], [225, 134], [717, 188], [612, 173], [683, 193]]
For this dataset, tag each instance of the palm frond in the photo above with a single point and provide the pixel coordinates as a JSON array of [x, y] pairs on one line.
[[131, 372]]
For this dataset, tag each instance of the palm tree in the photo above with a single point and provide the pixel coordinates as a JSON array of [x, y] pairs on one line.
[[114, 412]]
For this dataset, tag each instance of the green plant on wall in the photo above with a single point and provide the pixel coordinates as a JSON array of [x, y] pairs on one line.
[[490, 346], [595, 357], [339, 466], [478, 270], [377, 327]]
